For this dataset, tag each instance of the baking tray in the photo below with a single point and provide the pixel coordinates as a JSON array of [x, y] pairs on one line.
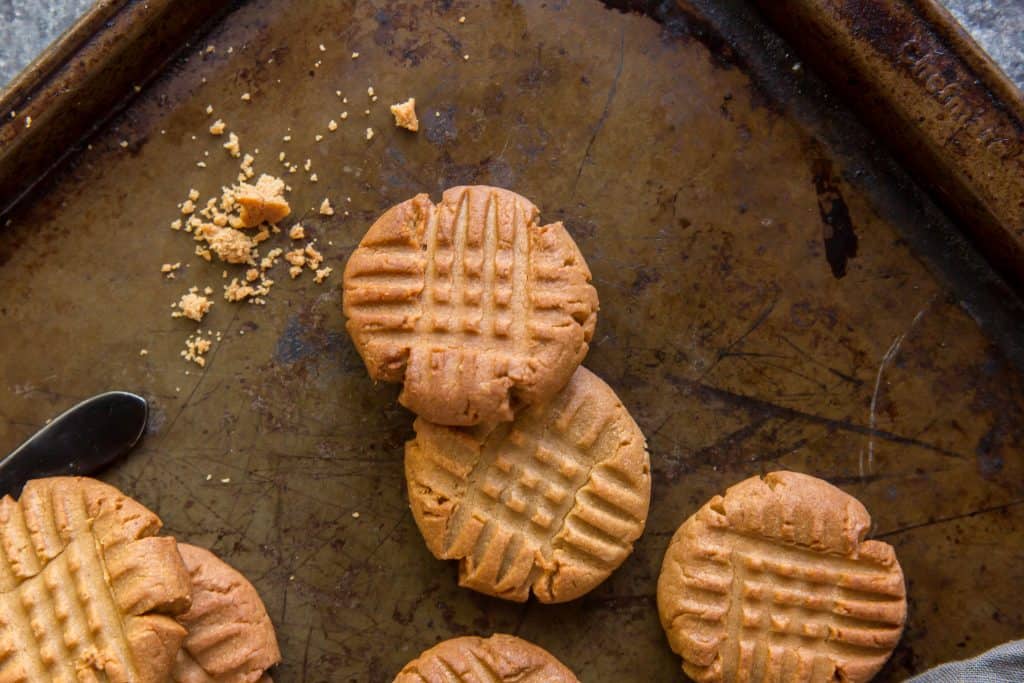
[[775, 292]]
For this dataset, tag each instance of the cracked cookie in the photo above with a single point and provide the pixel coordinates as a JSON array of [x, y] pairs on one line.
[[550, 502], [470, 303]]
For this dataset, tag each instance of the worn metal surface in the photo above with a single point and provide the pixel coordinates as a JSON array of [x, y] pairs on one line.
[[762, 308], [931, 92], [77, 83]]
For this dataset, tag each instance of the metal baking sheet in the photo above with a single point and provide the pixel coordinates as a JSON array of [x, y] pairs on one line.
[[775, 293]]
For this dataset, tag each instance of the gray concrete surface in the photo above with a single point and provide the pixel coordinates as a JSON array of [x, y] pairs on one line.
[[998, 26], [27, 26]]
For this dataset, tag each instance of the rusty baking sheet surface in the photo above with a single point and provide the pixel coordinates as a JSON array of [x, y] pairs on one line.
[[762, 307]]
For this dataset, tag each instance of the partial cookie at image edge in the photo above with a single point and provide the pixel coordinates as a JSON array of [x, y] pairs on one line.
[[781, 555], [502, 658]]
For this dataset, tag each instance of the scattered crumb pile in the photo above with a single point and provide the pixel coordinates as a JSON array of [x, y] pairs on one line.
[[405, 114], [192, 306], [231, 229], [195, 348], [234, 228]]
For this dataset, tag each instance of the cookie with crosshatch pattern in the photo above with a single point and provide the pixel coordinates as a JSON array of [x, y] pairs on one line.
[[88, 592], [500, 658], [230, 636], [550, 502], [470, 303], [775, 581]]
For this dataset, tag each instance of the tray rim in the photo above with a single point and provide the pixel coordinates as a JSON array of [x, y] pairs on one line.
[[85, 77]]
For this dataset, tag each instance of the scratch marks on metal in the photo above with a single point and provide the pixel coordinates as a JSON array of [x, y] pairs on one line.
[[890, 354]]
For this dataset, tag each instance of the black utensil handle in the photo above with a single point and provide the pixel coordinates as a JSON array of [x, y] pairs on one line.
[[80, 441]]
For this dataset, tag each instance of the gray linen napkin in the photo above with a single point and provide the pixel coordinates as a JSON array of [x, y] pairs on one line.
[[1003, 664]]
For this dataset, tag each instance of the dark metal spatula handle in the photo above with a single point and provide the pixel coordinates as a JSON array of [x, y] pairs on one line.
[[80, 441]]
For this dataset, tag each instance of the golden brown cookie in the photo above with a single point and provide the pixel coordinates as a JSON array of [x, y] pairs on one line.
[[551, 501], [87, 592], [230, 636], [469, 303], [498, 659], [774, 581]]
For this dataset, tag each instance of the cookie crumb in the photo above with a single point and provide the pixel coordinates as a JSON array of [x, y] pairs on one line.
[[332, 125], [322, 274], [218, 127], [123, 143], [193, 194], [230, 245], [246, 97], [236, 291], [209, 477], [169, 268], [369, 91], [297, 232], [369, 133], [343, 115], [195, 348], [209, 109], [313, 257], [187, 207], [355, 515], [314, 178], [261, 202], [322, 48], [325, 207], [143, 352], [226, 480], [192, 306], [270, 260], [295, 271], [318, 137], [232, 146], [465, 57], [462, 20], [355, 55], [28, 121], [246, 166], [405, 114]]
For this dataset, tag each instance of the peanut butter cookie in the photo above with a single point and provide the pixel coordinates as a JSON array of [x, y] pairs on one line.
[[550, 502], [774, 581], [500, 658], [470, 303], [230, 637], [87, 591]]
